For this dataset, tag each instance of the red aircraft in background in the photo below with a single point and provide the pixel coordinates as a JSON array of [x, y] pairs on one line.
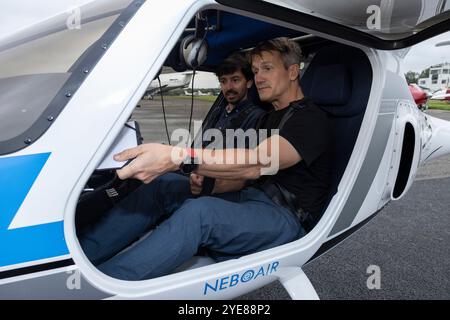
[[422, 96]]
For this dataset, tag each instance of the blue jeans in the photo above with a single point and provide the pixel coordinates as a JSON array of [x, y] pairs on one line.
[[125, 244]]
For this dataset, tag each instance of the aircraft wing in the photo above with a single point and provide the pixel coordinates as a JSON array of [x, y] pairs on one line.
[[440, 96], [155, 90]]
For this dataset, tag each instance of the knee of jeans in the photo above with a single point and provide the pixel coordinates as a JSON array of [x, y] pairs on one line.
[[200, 215], [202, 209]]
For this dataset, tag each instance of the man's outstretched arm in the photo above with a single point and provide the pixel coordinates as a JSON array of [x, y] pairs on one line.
[[153, 160]]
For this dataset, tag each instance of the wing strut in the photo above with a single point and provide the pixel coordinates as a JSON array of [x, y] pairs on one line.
[[297, 284]]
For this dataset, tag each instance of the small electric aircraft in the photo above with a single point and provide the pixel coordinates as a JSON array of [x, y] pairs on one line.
[[66, 93]]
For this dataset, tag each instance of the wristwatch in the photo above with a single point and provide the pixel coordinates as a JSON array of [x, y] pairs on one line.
[[190, 163]]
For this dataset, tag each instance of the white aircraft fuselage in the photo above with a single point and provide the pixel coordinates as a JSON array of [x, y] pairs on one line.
[[43, 175]]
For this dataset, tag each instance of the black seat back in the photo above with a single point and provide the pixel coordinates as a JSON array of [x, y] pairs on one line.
[[339, 80]]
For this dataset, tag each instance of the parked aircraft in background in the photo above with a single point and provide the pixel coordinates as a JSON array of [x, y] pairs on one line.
[[423, 95], [169, 81], [443, 94], [420, 96], [197, 92]]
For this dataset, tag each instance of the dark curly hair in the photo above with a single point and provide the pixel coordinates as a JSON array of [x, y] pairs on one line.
[[235, 62]]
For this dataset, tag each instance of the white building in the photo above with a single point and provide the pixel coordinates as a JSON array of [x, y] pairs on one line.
[[438, 79]]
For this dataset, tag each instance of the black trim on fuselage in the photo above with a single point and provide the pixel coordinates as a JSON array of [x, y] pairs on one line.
[[37, 268], [437, 149], [330, 244]]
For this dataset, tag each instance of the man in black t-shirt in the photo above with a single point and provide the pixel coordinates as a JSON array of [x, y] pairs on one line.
[[233, 223], [307, 130], [304, 185]]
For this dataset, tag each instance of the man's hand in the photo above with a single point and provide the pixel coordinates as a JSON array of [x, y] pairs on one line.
[[150, 161], [196, 184], [222, 186]]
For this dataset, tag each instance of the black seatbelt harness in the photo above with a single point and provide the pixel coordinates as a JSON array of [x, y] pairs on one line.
[[279, 194]]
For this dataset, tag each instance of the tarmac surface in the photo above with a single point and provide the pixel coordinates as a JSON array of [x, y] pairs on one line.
[[408, 240]]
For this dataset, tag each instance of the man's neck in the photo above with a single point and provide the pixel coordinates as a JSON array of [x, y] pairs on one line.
[[286, 100], [230, 107]]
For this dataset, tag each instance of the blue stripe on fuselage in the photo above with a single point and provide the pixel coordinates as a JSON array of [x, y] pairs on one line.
[[17, 176]]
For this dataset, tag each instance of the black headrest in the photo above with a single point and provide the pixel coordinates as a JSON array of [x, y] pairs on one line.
[[338, 80], [331, 85]]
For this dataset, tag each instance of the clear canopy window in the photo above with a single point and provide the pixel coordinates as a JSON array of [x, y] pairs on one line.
[[42, 62], [385, 19]]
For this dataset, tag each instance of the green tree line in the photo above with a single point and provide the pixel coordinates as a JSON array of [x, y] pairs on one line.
[[413, 77]]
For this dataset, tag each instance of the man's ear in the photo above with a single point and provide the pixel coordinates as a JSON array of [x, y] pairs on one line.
[[249, 84], [294, 72]]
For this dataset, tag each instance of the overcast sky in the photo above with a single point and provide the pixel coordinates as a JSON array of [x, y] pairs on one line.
[[15, 15], [426, 54]]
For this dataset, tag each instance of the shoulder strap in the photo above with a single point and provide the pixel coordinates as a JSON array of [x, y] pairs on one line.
[[242, 115], [289, 114], [285, 117], [261, 120]]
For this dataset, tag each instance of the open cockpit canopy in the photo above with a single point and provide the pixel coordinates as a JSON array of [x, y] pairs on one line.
[[381, 24]]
